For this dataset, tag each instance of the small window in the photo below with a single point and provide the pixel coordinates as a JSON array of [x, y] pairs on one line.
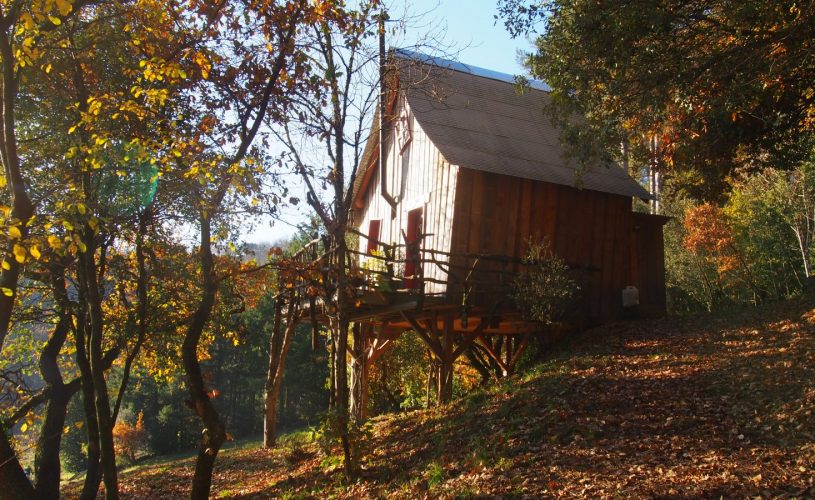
[[373, 236]]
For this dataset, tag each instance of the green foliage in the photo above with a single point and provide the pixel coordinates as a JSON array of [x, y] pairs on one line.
[[236, 375], [327, 433], [303, 396], [435, 474], [72, 452], [167, 421], [544, 291], [765, 255], [765, 209], [376, 271], [399, 377]]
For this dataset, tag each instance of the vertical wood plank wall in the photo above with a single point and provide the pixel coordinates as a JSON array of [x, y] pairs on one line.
[[496, 214], [649, 262], [428, 182]]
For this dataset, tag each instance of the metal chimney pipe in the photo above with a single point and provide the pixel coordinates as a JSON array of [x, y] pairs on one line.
[[383, 121]]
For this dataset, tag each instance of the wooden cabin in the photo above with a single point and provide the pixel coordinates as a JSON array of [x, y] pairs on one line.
[[474, 169]]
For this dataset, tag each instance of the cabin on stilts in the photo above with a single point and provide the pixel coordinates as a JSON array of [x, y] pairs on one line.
[[473, 169]]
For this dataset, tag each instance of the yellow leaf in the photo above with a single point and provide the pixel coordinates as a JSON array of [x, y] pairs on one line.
[[81, 208], [54, 242], [64, 7], [15, 233], [24, 427], [55, 20], [6, 265], [27, 20], [35, 252], [82, 246], [19, 253], [8, 292]]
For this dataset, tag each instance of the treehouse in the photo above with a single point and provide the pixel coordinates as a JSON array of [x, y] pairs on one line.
[[473, 169]]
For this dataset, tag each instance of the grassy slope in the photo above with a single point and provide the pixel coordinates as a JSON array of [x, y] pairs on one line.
[[707, 406]]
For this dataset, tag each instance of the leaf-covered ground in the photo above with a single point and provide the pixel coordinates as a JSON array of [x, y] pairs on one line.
[[703, 407]]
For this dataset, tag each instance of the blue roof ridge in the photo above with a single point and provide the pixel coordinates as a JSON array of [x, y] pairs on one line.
[[469, 69]]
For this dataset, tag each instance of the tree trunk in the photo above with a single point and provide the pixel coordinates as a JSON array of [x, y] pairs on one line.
[[275, 377], [340, 357], [332, 381], [141, 313], [803, 247], [93, 476], [214, 432], [15, 483], [89, 284], [445, 387], [47, 466], [46, 462]]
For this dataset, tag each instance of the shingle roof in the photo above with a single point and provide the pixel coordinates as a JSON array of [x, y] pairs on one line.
[[478, 120]]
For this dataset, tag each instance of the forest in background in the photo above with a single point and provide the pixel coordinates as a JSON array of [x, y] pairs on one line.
[[128, 125]]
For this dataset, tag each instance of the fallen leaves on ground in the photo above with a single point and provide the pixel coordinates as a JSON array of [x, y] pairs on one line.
[[707, 406]]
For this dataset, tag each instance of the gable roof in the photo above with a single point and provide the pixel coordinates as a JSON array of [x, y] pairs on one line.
[[478, 120]]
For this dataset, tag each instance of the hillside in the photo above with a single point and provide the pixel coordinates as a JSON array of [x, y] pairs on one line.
[[701, 407]]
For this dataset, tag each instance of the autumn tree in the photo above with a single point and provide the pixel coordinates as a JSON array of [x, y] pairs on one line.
[[218, 145], [26, 29], [330, 118], [705, 85]]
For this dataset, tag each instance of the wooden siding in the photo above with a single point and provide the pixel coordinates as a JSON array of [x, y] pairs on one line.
[[648, 263], [592, 231], [427, 182]]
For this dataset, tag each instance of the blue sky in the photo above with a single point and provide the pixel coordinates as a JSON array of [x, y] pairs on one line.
[[472, 29]]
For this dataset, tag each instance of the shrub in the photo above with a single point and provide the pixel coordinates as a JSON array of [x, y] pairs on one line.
[[129, 439], [544, 290]]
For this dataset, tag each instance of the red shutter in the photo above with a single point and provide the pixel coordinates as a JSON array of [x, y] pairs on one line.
[[414, 233]]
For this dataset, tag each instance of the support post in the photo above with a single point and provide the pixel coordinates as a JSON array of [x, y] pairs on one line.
[[445, 388], [359, 372], [508, 368]]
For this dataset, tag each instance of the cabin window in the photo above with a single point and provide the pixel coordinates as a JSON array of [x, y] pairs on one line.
[[373, 236], [413, 241]]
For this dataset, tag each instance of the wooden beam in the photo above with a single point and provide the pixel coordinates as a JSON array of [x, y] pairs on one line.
[[378, 348], [519, 350], [467, 340], [491, 352], [433, 344]]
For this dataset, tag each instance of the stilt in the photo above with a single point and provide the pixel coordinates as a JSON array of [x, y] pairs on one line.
[[511, 348], [359, 372], [367, 349], [445, 390]]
